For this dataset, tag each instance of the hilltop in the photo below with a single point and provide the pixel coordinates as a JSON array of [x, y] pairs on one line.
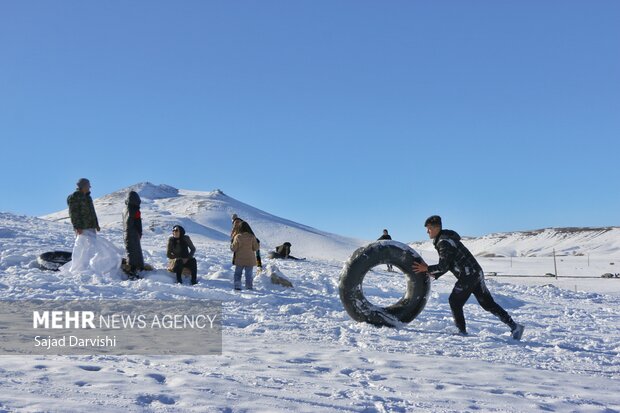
[[206, 215]]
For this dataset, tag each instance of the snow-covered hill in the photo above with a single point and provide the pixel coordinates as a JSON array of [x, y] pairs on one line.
[[207, 215], [297, 350], [541, 243]]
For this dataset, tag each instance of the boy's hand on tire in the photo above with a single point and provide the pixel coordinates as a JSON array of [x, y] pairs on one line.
[[420, 267]]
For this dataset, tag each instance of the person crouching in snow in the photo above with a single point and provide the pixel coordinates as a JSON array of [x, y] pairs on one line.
[[244, 246], [181, 251], [455, 257], [132, 222]]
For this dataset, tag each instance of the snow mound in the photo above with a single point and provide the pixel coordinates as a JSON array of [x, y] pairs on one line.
[[296, 349]]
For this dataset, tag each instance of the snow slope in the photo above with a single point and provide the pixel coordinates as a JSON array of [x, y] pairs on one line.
[[297, 349], [541, 243], [207, 215]]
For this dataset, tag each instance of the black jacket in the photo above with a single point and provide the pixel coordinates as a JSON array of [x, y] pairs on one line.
[[384, 237], [454, 257], [181, 247], [284, 249]]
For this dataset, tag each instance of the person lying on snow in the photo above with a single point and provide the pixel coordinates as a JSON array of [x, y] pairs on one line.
[[455, 257], [283, 251]]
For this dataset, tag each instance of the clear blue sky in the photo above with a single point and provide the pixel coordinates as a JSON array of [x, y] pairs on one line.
[[349, 116]]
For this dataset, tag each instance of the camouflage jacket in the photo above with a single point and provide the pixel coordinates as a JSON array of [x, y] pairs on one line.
[[82, 211]]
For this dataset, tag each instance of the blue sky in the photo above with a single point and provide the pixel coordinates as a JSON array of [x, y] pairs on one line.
[[349, 116]]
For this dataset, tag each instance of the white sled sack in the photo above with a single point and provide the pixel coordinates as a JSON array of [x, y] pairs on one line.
[[94, 255]]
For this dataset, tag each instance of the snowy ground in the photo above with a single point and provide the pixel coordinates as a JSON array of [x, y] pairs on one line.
[[297, 350]]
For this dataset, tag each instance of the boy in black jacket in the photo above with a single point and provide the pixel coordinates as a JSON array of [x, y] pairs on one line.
[[455, 257], [386, 236]]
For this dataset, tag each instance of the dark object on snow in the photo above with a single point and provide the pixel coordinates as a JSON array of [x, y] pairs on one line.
[[609, 275], [53, 260], [132, 275], [132, 222], [362, 261]]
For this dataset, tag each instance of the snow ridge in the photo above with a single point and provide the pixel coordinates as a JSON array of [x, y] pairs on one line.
[[207, 215], [296, 349], [602, 241]]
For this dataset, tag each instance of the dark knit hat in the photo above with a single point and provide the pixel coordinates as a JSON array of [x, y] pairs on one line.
[[434, 220], [82, 183]]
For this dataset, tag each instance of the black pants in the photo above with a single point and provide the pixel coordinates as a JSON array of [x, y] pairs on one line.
[[461, 292], [277, 255], [191, 264]]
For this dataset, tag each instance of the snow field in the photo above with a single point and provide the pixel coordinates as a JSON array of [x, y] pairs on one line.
[[297, 349]]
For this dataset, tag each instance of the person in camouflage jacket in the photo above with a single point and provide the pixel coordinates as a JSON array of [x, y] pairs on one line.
[[81, 208]]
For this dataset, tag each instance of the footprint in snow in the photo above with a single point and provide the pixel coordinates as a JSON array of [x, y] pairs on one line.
[[300, 360], [150, 398], [159, 378], [90, 368]]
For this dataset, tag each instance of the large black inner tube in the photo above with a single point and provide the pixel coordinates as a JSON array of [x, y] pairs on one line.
[[53, 260], [362, 261]]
